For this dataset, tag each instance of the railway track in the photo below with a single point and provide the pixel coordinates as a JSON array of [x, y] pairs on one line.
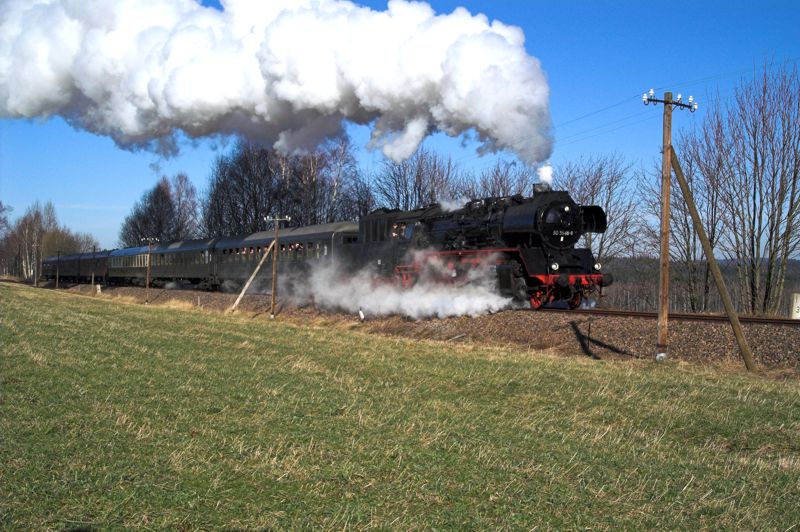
[[677, 316]]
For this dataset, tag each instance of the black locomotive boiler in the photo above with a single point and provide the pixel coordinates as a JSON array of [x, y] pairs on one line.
[[528, 243]]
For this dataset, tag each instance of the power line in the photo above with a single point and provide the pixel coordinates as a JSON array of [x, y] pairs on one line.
[[601, 133], [587, 115], [593, 129]]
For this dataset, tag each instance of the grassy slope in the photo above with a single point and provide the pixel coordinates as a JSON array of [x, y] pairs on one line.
[[121, 415]]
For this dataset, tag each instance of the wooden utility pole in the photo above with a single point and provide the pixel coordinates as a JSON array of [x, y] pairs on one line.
[[744, 348], [267, 251], [94, 265], [149, 241], [58, 264], [277, 251], [662, 344], [35, 265]]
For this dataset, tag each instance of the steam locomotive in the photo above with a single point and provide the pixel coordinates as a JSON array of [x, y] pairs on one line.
[[526, 243]]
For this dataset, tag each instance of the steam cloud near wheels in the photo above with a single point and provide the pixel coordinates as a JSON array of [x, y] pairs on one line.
[[288, 73], [431, 296]]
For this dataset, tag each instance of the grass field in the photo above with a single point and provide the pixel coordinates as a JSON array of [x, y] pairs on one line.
[[115, 415]]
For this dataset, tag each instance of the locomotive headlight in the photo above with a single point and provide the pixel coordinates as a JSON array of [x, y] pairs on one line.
[[554, 266], [598, 266]]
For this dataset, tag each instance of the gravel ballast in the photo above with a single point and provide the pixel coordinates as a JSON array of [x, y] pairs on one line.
[[773, 346]]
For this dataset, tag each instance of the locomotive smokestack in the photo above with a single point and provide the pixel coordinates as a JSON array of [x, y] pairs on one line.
[[287, 73]]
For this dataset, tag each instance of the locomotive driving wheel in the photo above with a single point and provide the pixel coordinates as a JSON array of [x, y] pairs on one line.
[[537, 299]]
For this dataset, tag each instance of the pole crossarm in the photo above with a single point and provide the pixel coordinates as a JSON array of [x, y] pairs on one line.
[[270, 249], [688, 197], [649, 97]]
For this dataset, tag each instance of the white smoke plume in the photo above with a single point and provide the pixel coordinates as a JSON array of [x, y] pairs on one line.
[[431, 296], [450, 205], [545, 174], [286, 73]]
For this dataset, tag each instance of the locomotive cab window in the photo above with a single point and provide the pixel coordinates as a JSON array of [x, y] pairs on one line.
[[399, 231]]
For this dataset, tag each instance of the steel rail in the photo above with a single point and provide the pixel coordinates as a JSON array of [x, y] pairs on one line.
[[676, 316]]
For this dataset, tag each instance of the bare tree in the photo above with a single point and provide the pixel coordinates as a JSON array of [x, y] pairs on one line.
[[4, 212], [253, 182], [423, 179], [360, 199], [503, 179], [36, 235], [703, 158], [315, 187], [760, 183], [690, 275], [167, 212], [184, 199], [153, 216], [243, 190], [67, 242]]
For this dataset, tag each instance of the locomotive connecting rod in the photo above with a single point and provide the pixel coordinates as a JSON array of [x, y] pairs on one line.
[[688, 197]]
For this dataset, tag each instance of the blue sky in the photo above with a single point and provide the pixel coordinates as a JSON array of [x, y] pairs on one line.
[[598, 56]]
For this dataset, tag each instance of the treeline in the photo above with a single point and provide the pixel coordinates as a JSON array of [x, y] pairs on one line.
[[35, 235], [252, 183]]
